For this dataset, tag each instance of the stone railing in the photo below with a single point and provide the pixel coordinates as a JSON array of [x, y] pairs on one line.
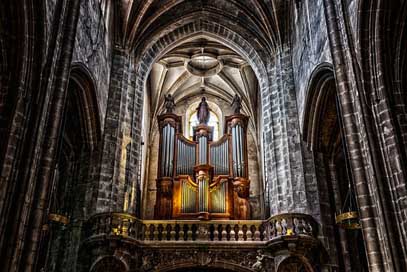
[[121, 224], [231, 230], [291, 224], [113, 224]]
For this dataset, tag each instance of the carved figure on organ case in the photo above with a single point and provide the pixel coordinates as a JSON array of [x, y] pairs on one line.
[[236, 104], [203, 112], [169, 103], [262, 261]]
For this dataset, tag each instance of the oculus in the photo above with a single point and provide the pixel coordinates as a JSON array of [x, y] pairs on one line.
[[204, 65]]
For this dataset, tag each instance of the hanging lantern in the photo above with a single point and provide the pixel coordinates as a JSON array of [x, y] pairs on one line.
[[56, 215], [58, 218], [348, 217]]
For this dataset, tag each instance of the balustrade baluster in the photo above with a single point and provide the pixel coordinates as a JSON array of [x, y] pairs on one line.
[[232, 235], [249, 235], [284, 226], [257, 235], [241, 235], [297, 228], [216, 235], [224, 235], [279, 228], [176, 232]]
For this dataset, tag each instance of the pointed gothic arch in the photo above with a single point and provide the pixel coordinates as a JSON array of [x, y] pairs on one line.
[[323, 133], [76, 164], [157, 46]]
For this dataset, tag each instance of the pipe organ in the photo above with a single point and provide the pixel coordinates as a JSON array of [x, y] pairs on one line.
[[201, 178]]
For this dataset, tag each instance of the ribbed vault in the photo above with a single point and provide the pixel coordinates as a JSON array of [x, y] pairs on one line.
[[183, 73]]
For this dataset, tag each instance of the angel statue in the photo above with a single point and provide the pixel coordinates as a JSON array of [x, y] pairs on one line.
[[169, 103], [236, 104]]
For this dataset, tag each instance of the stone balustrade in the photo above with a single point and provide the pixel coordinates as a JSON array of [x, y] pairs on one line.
[[291, 224], [125, 225], [231, 230]]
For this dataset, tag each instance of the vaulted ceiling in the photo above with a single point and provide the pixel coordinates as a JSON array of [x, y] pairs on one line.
[[266, 20], [202, 66]]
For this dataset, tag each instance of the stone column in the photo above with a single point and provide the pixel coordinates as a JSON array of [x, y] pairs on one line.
[[281, 135], [26, 255], [117, 133], [354, 141]]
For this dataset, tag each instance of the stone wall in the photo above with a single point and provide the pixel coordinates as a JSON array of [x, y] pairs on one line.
[[93, 44], [310, 47]]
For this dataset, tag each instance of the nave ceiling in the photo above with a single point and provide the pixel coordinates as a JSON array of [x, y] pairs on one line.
[[265, 20], [143, 21], [202, 67]]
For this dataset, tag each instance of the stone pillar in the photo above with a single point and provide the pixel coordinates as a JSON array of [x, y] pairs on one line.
[[36, 213], [352, 131], [117, 133], [282, 140]]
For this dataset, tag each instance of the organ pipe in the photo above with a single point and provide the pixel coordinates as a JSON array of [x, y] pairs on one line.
[[164, 139]]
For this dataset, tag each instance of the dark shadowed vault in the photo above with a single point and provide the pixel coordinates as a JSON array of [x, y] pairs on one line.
[[111, 160]]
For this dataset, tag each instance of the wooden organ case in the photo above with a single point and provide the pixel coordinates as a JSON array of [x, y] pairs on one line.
[[202, 179]]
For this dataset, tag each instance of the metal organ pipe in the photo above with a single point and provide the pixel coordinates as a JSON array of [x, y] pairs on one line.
[[221, 160], [200, 195], [168, 151], [184, 193], [179, 161], [164, 149], [190, 159], [224, 197], [234, 153], [186, 159], [239, 148], [163, 139], [185, 163], [181, 157], [241, 151], [171, 152], [226, 155], [201, 148]]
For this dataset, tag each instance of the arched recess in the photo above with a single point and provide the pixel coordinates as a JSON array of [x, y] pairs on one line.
[[324, 137], [217, 266], [159, 45], [88, 103], [295, 264], [76, 164], [109, 264]]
